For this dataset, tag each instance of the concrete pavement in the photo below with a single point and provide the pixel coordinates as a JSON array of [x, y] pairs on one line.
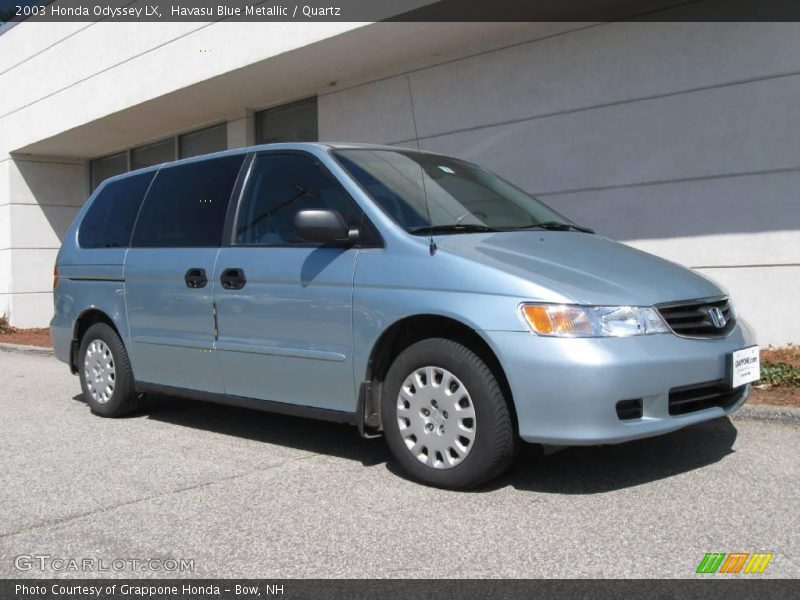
[[249, 494]]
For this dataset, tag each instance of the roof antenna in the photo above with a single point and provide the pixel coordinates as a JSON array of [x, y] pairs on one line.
[[432, 244]]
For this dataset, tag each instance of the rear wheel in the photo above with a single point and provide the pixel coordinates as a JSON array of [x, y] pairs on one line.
[[105, 373], [445, 417]]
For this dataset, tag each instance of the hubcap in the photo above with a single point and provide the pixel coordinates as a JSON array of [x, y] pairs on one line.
[[99, 372], [436, 417]]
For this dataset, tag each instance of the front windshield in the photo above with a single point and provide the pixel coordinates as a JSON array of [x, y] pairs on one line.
[[461, 197]]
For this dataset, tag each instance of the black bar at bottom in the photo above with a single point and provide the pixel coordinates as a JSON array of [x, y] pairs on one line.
[[712, 586]]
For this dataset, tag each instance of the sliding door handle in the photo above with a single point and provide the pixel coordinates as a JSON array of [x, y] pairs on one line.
[[233, 279], [195, 278]]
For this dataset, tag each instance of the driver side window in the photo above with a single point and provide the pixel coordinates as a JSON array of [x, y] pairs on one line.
[[281, 185]]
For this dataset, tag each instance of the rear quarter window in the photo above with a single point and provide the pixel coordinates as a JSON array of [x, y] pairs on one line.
[[186, 204], [109, 221]]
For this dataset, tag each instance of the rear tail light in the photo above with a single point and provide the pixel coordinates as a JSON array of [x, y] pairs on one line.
[[55, 277]]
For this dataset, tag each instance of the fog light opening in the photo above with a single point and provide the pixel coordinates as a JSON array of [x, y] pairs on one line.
[[628, 410]]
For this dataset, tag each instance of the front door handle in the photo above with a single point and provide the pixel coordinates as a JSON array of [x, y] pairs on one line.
[[195, 278], [232, 279]]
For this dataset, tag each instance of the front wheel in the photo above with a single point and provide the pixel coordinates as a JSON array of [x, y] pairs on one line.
[[445, 417]]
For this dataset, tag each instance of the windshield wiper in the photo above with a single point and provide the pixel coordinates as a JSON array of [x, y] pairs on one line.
[[557, 226], [452, 228]]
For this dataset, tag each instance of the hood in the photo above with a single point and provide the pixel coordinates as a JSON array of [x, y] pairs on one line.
[[589, 269]]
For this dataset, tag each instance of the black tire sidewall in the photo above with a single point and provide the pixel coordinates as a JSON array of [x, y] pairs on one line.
[[482, 387], [122, 401]]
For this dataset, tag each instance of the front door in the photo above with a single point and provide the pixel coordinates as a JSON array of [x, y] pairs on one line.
[[284, 306]]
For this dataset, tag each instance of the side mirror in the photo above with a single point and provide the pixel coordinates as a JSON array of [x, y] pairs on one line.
[[323, 226]]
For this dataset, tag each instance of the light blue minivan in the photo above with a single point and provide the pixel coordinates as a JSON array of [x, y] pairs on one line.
[[411, 294]]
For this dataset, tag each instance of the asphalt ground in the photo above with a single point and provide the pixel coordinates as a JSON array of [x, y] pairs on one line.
[[241, 493]]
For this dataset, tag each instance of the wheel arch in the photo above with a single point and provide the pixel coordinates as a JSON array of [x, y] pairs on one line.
[[86, 319], [403, 333]]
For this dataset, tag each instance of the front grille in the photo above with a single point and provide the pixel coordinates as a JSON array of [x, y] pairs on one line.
[[695, 318], [691, 398]]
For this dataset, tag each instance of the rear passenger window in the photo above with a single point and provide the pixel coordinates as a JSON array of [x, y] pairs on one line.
[[109, 221], [186, 204], [281, 185]]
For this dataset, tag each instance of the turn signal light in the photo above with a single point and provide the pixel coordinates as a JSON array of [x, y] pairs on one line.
[[568, 321], [55, 277], [538, 318]]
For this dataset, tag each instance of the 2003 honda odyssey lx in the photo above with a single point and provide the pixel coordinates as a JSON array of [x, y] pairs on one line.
[[404, 292]]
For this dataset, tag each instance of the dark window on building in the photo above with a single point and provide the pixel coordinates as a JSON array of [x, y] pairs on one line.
[[280, 186], [109, 221], [295, 122], [153, 154], [205, 141], [195, 143], [108, 166], [186, 204]]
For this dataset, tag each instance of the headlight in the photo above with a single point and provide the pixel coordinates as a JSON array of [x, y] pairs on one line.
[[568, 320]]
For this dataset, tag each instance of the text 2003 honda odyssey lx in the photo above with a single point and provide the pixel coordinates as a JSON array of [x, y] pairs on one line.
[[404, 292]]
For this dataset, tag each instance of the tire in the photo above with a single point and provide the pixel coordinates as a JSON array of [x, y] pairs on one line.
[[105, 373], [438, 395]]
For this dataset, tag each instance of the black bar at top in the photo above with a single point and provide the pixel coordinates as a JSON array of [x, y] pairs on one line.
[[308, 11]]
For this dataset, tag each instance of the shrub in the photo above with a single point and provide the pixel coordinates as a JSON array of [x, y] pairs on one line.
[[779, 374], [4, 326]]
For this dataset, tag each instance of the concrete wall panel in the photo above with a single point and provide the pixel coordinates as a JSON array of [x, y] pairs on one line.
[[5, 279], [377, 112], [25, 46], [40, 226], [186, 60], [32, 270], [75, 57], [598, 65], [30, 310], [727, 221], [5, 215], [44, 198], [730, 130], [57, 182]]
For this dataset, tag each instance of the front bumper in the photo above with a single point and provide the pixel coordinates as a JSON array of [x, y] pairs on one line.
[[566, 390]]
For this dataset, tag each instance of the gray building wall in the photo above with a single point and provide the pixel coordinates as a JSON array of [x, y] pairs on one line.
[[678, 138], [682, 139]]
